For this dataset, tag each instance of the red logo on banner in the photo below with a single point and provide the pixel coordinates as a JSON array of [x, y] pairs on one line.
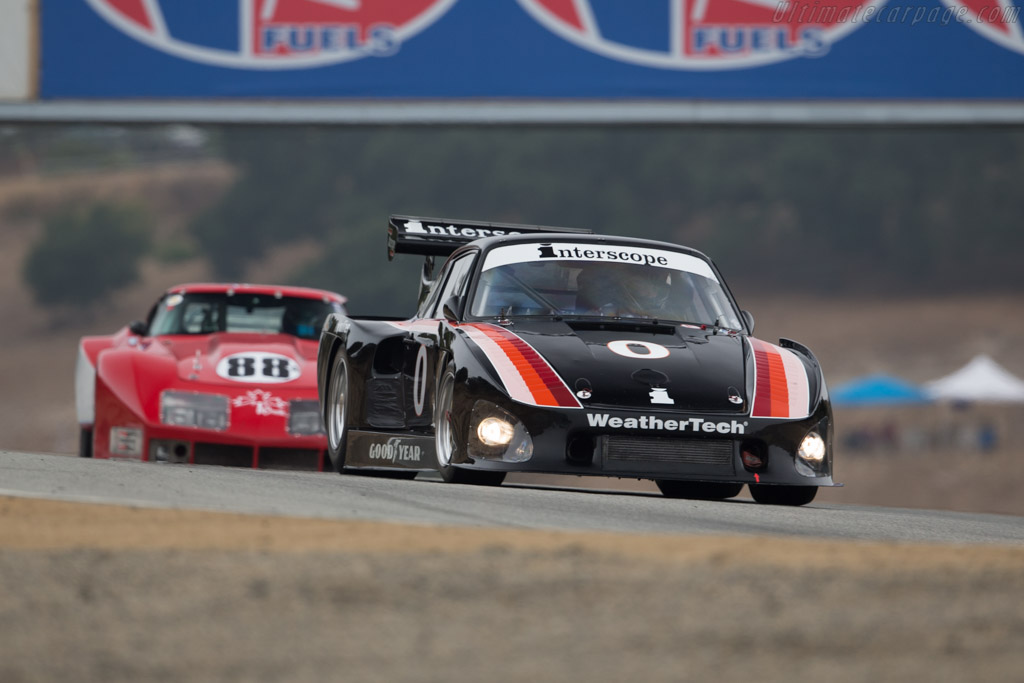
[[282, 34], [712, 34], [997, 20]]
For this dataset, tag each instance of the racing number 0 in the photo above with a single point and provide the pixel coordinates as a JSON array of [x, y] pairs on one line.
[[419, 381]]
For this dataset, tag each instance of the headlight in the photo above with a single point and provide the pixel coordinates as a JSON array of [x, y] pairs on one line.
[[494, 431], [205, 411], [496, 434], [812, 448], [810, 456], [304, 418]]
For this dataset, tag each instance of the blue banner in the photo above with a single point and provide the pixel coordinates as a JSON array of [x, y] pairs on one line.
[[938, 50]]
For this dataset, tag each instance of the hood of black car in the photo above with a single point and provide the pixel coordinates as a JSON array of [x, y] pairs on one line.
[[644, 365]]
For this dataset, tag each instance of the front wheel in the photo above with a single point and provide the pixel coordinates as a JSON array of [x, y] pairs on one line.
[[336, 411], [783, 495], [85, 442], [449, 441], [698, 490]]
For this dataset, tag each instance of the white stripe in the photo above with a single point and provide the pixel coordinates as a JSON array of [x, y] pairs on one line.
[[1010, 14], [156, 17], [351, 5], [700, 8], [246, 23], [586, 15], [796, 382], [677, 26], [85, 388], [507, 371], [425, 325], [267, 13], [753, 359]]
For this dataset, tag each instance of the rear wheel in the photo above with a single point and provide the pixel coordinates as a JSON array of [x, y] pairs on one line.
[[448, 431], [336, 411], [698, 490], [783, 495]]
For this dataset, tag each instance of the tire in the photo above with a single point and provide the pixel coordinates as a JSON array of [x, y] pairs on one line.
[[336, 421], [783, 495], [449, 441], [336, 411], [698, 490], [85, 442]]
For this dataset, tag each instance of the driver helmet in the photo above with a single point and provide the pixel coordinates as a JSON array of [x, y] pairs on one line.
[[646, 289]]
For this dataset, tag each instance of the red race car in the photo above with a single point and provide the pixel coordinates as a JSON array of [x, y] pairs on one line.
[[221, 374]]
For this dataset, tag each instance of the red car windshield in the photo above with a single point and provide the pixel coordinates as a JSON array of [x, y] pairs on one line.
[[207, 313]]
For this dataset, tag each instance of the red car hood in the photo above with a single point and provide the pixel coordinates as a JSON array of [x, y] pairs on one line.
[[238, 360]]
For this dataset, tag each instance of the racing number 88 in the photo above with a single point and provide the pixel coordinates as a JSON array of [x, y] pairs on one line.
[[246, 367]]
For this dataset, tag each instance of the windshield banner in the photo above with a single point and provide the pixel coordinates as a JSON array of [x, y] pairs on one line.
[[600, 252]]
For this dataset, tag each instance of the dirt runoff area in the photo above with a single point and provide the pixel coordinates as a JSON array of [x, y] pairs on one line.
[[107, 593]]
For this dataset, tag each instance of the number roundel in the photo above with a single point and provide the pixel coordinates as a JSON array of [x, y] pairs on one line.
[[258, 367], [638, 349]]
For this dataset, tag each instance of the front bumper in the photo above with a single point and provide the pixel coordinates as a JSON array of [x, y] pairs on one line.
[[660, 444], [199, 449], [119, 432], [159, 444]]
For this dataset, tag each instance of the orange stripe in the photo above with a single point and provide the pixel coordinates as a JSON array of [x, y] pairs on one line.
[[780, 390], [772, 398], [542, 382], [541, 394], [536, 382]]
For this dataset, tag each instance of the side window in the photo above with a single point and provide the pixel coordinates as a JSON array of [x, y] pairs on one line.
[[455, 284], [152, 314], [431, 298]]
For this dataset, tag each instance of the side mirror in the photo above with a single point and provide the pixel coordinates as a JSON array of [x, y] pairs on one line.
[[449, 308], [748, 318], [137, 327]]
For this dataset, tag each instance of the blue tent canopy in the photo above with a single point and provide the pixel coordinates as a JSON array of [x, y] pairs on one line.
[[877, 390]]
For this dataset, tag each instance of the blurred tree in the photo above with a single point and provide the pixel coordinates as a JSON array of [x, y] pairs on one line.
[[821, 209], [85, 254], [286, 183]]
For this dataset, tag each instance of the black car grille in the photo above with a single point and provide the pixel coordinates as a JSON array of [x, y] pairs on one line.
[[684, 455]]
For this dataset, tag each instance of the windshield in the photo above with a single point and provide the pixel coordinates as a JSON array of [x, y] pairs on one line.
[[207, 313], [601, 281]]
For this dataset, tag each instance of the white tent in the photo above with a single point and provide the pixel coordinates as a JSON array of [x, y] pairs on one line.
[[982, 379]]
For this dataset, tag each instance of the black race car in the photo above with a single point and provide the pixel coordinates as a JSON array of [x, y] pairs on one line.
[[539, 349]]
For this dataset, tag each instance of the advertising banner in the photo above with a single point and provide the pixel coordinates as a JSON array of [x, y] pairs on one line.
[[711, 50]]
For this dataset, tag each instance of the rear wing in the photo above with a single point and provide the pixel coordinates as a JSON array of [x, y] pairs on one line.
[[442, 236]]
